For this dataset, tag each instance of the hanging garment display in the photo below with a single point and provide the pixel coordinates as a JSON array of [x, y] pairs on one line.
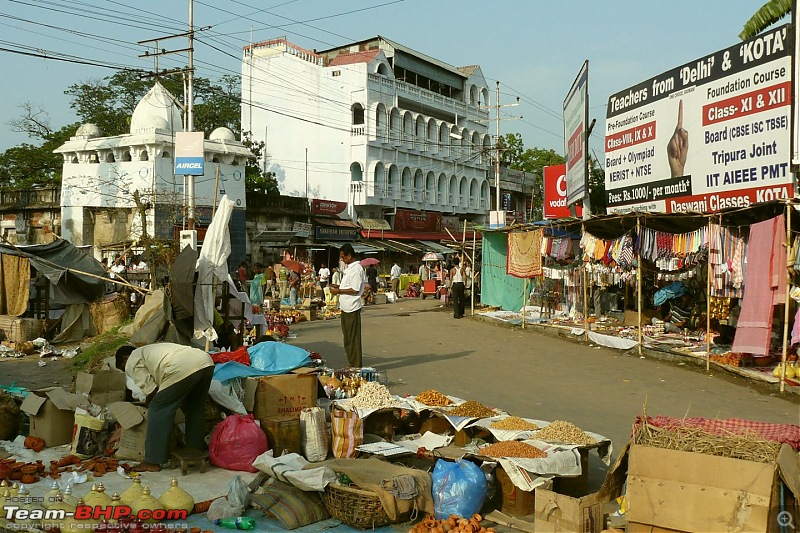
[[524, 258]]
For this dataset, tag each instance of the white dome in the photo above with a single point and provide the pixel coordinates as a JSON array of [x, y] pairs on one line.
[[88, 131], [222, 134], [158, 109]]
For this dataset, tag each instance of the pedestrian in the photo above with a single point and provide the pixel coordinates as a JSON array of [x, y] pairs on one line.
[[395, 279], [257, 287], [336, 277], [424, 275], [283, 281], [324, 276], [269, 281], [167, 376], [372, 278], [241, 274], [350, 291], [457, 277], [294, 286]]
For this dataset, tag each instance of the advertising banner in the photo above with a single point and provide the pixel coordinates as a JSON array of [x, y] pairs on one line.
[[555, 193], [576, 114], [408, 220], [708, 135], [327, 207], [189, 153]]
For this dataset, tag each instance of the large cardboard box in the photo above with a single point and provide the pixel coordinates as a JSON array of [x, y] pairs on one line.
[[103, 387], [133, 419], [675, 491], [52, 414], [559, 513], [286, 394]]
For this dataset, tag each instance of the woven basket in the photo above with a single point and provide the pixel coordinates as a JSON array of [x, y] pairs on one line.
[[355, 507]]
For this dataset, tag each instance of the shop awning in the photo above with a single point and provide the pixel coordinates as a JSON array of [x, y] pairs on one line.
[[374, 224], [411, 235], [436, 247], [337, 222], [358, 247], [274, 236]]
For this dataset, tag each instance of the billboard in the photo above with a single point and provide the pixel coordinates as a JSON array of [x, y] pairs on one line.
[[555, 193], [327, 207], [705, 136], [576, 116], [423, 221], [189, 153]]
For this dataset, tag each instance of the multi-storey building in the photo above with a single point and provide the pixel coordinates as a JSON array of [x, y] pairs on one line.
[[372, 123]]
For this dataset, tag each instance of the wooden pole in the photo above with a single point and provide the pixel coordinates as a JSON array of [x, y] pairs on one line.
[[214, 282], [789, 209], [639, 284], [524, 300], [708, 307], [585, 292], [472, 292]]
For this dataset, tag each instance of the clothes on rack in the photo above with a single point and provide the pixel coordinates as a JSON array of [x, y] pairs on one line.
[[727, 258], [524, 258]]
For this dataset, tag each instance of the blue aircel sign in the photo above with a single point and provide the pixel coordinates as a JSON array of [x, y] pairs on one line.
[[189, 159]]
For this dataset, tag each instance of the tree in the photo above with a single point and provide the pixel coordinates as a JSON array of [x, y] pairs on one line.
[[257, 179], [529, 160], [766, 16]]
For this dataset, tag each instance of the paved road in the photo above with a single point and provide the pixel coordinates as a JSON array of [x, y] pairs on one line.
[[421, 346]]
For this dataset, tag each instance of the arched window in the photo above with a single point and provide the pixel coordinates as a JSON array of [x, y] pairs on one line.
[[393, 183], [474, 201], [430, 188], [419, 186], [358, 114], [379, 181], [355, 171], [384, 70], [433, 136], [407, 190], [463, 199], [110, 157], [453, 200], [380, 123], [484, 195], [442, 189], [395, 125], [143, 156], [215, 159], [167, 154], [126, 156]]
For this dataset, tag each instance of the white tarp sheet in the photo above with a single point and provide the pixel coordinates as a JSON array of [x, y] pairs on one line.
[[212, 262]]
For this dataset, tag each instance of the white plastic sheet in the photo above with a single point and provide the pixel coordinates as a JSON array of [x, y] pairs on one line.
[[212, 262]]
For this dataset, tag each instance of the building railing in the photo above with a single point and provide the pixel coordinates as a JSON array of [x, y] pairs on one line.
[[30, 197], [418, 93]]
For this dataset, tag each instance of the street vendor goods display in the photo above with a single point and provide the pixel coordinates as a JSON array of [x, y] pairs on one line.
[[433, 398], [512, 448], [471, 409], [373, 395], [566, 432]]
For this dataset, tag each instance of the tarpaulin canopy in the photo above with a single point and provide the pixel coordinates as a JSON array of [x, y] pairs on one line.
[[60, 262]]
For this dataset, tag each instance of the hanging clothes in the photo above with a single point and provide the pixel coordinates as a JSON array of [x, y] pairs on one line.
[[524, 258]]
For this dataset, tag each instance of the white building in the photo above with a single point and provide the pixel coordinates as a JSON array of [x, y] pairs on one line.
[[102, 174], [373, 124]]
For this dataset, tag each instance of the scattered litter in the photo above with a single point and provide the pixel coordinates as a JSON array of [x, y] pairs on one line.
[[121, 472], [42, 363], [641, 357]]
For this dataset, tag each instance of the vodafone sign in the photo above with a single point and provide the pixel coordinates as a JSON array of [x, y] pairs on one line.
[[555, 193]]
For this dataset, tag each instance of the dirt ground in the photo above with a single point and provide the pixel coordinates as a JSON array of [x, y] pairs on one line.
[[421, 346]]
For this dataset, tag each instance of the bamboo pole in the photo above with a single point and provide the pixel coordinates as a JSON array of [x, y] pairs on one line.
[[214, 283], [524, 300], [585, 292], [708, 307], [639, 284], [472, 291], [788, 288]]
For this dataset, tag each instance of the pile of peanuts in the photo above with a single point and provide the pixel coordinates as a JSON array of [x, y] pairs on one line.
[[560, 431], [471, 409], [513, 448], [433, 398], [373, 395], [514, 423]]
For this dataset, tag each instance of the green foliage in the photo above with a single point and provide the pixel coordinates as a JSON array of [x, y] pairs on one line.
[[102, 347], [255, 178], [766, 16], [28, 164]]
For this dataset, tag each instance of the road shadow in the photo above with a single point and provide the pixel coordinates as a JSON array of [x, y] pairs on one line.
[[418, 359]]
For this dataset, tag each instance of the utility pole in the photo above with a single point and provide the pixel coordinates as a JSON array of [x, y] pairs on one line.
[[189, 107], [497, 149]]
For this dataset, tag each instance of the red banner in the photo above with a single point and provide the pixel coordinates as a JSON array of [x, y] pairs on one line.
[[327, 207], [555, 193], [408, 220]]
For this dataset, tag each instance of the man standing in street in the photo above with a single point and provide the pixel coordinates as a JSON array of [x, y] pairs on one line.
[[457, 276], [424, 275], [269, 281], [167, 376], [324, 275], [350, 303], [395, 279], [283, 279], [294, 287]]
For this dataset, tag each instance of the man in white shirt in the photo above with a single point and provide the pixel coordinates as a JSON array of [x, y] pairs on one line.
[[169, 376], [395, 279], [324, 276], [350, 291]]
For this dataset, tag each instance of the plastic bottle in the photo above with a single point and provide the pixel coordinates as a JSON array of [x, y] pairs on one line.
[[240, 522]]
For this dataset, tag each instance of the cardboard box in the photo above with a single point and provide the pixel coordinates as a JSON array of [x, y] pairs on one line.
[[310, 313], [559, 513], [286, 394], [133, 419], [380, 298], [675, 490], [103, 387], [52, 414], [631, 317]]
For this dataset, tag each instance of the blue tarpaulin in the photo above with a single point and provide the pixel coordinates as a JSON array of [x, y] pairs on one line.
[[266, 359]]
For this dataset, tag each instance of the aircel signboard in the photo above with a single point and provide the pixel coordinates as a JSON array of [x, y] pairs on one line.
[[708, 135], [189, 153]]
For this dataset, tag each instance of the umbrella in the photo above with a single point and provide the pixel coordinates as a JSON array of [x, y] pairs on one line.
[[293, 265], [433, 256], [369, 261]]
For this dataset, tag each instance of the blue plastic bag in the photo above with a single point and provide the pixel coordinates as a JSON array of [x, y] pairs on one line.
[[458, 488]]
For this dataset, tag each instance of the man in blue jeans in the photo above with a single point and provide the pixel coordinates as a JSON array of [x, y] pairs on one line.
[[167, 376]]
